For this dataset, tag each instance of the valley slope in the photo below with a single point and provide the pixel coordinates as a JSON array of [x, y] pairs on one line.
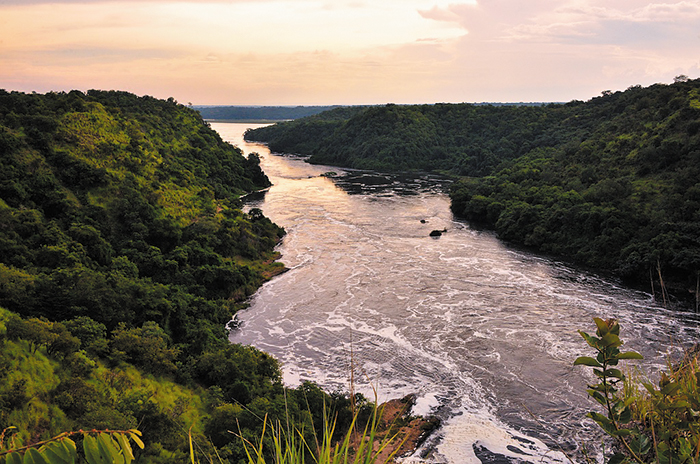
[[123, 254], [611, 183]]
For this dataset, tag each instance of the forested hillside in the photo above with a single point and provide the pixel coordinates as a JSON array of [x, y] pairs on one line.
[[123, 254], [612, 183], [462, 139]]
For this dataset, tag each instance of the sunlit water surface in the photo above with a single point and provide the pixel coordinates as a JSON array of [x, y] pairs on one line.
[[484, 334]]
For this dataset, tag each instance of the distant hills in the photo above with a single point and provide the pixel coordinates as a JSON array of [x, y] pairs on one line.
[[288, 113], [259, 113], [612, 183]]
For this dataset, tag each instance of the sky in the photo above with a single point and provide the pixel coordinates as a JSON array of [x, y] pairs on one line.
[[319, 52]]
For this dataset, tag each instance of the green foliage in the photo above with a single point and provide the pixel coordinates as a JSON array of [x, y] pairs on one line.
[[364, 442], [126, 204], [242, 372], [464, 139], [669, 412], [123, 254], [146, 347], [124, 209], [42, 396], [54, 336], [99, 447], [618, 416], [92, 334], [650, 424], [611, 183]]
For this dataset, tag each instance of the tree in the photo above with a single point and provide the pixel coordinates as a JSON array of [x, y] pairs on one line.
[[146, 346]]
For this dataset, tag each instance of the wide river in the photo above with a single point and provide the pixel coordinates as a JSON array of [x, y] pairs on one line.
[[483, 333]]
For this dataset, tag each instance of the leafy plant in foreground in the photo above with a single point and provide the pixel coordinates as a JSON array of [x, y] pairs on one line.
[[652, 424], [671, 413], [99, 447], [617, 422]]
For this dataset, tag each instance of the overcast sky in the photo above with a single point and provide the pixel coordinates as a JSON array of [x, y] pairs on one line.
[[268, 52]]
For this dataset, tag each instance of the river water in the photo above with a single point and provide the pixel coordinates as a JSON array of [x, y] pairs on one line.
[[484, 334]]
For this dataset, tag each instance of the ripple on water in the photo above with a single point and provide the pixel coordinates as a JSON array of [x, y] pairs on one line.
[[484, 335]]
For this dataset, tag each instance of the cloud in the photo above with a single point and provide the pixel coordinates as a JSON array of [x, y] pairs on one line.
[[574, 21], [96, 2], [437, 13], [77, 56], [263, 26], [660, 12], [596, 22], [557, 50], [347, 51], [263, 48]]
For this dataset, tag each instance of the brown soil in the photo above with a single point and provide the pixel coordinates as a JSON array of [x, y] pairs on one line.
[[406, 432]]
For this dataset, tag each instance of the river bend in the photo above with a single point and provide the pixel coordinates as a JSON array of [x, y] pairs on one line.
[[484, 334]]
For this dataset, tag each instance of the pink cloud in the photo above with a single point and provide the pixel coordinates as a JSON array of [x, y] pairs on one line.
[[441, 14]]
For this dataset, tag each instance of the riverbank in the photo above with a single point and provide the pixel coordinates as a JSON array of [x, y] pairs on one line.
[[474, 327], [399, 434], [610, 183]]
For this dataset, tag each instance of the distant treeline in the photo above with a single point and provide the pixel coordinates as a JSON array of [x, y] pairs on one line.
[[612, 183], [261, 113], [284, 113], [123, 254]]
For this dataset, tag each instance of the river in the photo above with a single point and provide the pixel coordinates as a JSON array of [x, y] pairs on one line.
[[484, 334]]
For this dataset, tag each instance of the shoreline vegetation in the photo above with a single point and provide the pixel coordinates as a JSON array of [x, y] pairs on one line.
[[124, 252], [611, 184]]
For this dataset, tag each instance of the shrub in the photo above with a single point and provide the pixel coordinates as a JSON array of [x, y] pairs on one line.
[[649, 424]]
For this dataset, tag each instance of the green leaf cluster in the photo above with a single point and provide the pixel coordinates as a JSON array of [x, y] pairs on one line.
[[654, 424], [367, 440], [671, 410], [44, 390], [99, 447]]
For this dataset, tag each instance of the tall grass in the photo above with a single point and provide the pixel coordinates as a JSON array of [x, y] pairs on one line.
[[31, 376], [285, 443], [290, 447]]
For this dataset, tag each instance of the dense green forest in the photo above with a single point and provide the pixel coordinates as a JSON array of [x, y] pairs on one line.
[[123, 254], [612, 183], [259, 113]]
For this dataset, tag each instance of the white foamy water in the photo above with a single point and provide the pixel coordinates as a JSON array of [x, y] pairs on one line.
[[485, 335]]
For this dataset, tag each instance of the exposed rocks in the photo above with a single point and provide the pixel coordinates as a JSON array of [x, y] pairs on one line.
[[409, 432]]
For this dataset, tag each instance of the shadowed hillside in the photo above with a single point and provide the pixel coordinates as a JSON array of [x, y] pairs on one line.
[[611, 183]]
